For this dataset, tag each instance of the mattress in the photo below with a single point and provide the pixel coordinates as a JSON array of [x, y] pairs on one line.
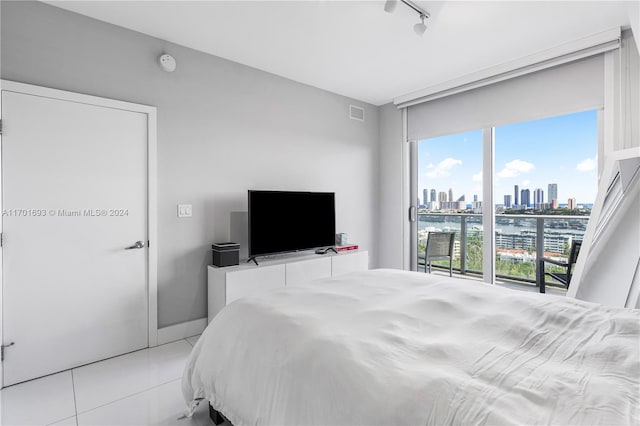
[[388, 347]]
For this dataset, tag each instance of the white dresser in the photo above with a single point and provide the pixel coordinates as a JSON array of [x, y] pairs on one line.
[[233, 282]]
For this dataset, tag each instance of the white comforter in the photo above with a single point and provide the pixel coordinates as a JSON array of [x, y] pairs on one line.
[[389, 347]]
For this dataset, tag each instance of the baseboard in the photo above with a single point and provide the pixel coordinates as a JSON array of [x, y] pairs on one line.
[[181, 331]]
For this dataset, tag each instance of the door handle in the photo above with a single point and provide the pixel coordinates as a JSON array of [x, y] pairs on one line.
[[137, 245], [412, 213]]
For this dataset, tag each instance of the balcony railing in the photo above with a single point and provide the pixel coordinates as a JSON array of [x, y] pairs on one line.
[[520, 240]]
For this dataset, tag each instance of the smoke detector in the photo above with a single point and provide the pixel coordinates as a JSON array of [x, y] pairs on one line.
[[167, 62]]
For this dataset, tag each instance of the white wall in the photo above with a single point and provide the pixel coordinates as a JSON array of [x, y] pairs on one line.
[[223, 128], [634, 19]]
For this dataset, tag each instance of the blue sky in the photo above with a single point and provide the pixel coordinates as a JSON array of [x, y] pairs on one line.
[[532, 155]]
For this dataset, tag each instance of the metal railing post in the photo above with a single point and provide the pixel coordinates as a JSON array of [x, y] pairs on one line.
[[463, 244], [539, 248]]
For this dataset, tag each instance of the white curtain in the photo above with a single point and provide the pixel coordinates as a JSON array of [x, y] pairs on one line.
[[629, 93]]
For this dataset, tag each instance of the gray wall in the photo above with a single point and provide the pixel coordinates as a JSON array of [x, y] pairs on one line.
[[223, 128]]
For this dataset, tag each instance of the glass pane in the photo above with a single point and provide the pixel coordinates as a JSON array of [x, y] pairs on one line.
[[516, 248], [545, 178], [474, 244], [559, 234], [450, 182]]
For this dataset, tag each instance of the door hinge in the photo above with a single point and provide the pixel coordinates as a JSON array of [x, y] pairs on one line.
[[1, 239], [2, 350], [0, 126]]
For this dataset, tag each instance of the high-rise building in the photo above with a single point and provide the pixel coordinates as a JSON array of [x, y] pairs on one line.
[[515, 195], [425, 195], [442, 196], [475, 198], [538, 197], [552, 192], [507, 201], [450, 195], [433, 195], [572, 203], [461, 198], [525, 197]]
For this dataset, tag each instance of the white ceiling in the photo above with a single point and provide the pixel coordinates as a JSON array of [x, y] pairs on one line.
[[356, 49]]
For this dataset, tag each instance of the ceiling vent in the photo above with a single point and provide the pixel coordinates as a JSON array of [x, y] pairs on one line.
[[356, 113]]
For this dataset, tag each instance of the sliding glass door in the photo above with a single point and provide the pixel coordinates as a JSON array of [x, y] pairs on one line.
[[545, 186], [450, 197], [542, 176]]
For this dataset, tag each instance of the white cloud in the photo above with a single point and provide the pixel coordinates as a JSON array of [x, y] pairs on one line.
[[477, 177], [515, 168], [443, 168], [588, 164], [430, 166], [525, 183]]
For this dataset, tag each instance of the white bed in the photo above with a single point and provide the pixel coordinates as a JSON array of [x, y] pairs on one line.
[[388, 347]]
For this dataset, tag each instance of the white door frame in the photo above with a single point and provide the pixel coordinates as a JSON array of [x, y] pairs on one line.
[[152, 184]]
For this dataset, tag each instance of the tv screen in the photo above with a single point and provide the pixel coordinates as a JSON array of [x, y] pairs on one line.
[[286, 221]]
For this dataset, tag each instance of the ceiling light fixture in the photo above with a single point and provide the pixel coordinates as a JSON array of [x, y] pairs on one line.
[[390, 6], [419, 28]]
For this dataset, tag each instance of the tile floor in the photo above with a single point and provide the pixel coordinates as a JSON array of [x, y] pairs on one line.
[[140, 388]]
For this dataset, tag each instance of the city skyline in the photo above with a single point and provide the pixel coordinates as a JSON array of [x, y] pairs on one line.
[[533, 155], [533, 199]]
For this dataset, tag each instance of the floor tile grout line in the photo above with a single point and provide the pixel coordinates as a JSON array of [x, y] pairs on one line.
[[75, 404], [75, 409], [127, 396], [57, 421], [93, 363]]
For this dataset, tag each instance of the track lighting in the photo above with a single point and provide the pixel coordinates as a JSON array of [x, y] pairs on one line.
[[390, 6], [419, 28]]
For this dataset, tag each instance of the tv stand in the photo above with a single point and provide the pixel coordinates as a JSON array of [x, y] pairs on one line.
[[233, 282], [254, 258]]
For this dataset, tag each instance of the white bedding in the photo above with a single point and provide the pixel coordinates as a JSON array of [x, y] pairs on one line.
[[388, 347]]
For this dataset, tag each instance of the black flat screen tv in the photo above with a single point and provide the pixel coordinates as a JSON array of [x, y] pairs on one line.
[[288, 221]]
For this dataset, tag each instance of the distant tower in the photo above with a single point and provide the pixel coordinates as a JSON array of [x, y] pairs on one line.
[[475, 198], [507, 201], [442, 196], [571, 203], [515, 195], [553, 192], [425, 194], [450, 194], [433, 195], [525, 197], [538, 196]]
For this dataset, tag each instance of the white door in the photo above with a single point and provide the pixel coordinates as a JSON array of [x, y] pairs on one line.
[[74, 195]]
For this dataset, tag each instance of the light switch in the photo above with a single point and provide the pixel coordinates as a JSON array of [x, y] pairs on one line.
[[185, 210]]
